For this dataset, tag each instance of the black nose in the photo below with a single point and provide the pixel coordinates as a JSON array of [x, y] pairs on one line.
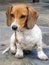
[[14, 27]]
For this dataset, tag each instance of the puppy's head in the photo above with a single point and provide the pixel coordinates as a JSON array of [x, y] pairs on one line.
[[20, 16]]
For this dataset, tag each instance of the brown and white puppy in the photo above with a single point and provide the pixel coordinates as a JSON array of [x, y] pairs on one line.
[[22, 19]]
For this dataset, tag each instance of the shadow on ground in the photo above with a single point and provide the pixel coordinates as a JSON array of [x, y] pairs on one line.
[[29, 59]]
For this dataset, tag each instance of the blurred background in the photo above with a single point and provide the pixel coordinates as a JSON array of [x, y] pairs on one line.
[[30, 1]]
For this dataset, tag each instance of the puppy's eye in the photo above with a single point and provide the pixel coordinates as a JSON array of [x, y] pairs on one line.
[[23, 16], [12, 15]]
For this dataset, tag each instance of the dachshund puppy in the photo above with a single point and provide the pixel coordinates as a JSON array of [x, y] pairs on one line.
[[22, 20]]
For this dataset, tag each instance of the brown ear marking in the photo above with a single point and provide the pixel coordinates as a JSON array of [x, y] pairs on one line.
[[8, 15], [32, 17]]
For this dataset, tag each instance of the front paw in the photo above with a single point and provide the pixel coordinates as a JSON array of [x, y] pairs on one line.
[[19, 54], [43, 56], [13, 50]]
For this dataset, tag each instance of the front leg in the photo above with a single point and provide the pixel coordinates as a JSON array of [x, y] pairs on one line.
[[19, 52], [40, 53], [12, 44]]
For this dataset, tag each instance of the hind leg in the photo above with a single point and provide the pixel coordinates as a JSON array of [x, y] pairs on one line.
[[40, 53]]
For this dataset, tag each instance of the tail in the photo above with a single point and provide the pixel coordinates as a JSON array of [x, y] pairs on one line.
[[7, 49]]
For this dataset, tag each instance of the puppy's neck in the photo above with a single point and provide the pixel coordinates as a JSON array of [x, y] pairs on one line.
[[25, 30]]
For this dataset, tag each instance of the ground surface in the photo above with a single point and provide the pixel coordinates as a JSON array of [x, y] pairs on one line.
[[5, 33]]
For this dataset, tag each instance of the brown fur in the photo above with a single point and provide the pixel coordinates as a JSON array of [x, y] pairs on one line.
[[18, 10]]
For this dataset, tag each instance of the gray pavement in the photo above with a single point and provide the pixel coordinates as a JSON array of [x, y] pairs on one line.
[[6, 32]]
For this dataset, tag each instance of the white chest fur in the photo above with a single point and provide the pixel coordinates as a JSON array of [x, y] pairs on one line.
[[28, 38]]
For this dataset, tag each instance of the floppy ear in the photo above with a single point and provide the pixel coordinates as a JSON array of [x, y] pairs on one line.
[[8, 15], [32, 17]]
